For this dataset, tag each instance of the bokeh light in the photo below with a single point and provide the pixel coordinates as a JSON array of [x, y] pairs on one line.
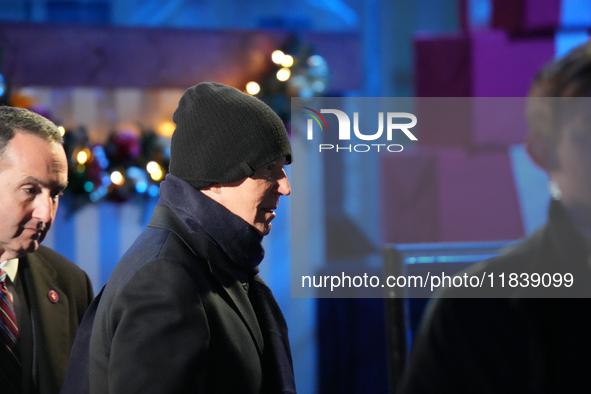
[[287, 61], [277, 56], [253, 88], [117, 178], [283, 74]]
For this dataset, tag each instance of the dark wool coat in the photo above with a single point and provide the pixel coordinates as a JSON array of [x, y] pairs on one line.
[[519, 343], [175, 318]]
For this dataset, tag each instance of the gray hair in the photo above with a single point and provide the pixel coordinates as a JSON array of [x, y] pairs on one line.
[[19, 120]]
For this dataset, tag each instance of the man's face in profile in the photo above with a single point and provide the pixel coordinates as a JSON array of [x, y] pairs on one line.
[[256, 198], [33, 173]]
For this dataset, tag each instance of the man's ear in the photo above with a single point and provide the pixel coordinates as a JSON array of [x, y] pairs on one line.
[[542, 150], [212, 189], [213, 192]]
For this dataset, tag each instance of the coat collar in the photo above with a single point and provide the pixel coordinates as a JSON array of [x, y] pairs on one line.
[[228, 274], [205, 217]]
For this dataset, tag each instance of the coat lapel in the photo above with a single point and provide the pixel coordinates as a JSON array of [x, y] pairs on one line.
[[49, 318], [222, 269]]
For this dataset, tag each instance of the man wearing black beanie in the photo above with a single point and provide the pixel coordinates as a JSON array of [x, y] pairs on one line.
[[184, 310]]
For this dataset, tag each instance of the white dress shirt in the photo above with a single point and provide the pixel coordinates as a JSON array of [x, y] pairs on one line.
[[11, 269]]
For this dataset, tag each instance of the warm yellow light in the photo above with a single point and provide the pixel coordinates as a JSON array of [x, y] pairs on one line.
[[82, 157], [287, 61], [117, 178], [166, 129], [62, 130], [252, 88], [152, 167], [157, 175], [277, 56], [283, 74]]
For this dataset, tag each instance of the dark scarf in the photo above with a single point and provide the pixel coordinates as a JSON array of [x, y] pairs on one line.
[[206, 218], [242, 243]]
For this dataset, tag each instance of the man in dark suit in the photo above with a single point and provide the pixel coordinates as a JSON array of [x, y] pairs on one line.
[[47, 293], [184, 310]]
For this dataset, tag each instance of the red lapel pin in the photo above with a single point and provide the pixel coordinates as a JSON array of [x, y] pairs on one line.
[[53, 297]]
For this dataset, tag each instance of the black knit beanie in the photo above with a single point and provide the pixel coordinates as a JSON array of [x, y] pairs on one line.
[[223, 135]]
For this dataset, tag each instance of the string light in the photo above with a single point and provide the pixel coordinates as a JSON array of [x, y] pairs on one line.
[[152, 167], [315, 60], [154, 170], [157, 175], [283, 74], [253, 88], [117, 178], [82, 156], [318, 86], [141, 187], [277, 56], [287, 61], [166, 129]]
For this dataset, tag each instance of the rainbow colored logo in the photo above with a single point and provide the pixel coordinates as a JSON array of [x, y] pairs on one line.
[[316, 119]]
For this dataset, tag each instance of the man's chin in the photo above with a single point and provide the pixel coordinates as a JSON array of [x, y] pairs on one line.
[[263, 229], [31, 247], [264, 225], [17, 253]]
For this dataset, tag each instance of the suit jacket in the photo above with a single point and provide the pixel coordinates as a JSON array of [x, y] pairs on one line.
[[175, 318], [54, 324]]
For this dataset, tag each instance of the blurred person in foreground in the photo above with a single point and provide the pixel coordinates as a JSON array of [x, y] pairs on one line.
[[533, 339], [43, 295], [185, 311]]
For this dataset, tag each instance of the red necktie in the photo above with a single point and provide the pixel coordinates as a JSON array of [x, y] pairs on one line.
[[10, 352]]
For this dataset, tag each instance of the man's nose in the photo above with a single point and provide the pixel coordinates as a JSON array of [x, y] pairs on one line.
[[284, 187], [44, 208]]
